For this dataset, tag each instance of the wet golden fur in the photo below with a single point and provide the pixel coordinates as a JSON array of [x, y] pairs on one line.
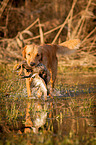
[[46, 54]]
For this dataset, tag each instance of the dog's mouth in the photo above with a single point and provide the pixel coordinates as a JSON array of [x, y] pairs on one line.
[[32, 64]]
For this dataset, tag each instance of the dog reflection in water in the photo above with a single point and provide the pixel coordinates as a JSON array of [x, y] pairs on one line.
[[39, 78], [36, 120]]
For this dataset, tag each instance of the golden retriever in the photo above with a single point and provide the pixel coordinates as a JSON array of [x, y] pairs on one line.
[[47, 55]]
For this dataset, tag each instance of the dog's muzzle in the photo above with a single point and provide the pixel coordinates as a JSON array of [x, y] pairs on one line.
[[32, 63]]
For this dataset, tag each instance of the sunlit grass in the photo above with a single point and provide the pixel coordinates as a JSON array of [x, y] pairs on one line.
[[70, 118]]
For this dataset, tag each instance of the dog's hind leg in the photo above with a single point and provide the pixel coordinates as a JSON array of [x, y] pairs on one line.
[[53, 73]]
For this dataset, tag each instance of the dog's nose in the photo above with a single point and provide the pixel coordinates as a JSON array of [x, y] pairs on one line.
[[32, 63]]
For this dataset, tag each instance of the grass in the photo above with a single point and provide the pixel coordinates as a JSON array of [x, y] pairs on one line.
[[70, 119]]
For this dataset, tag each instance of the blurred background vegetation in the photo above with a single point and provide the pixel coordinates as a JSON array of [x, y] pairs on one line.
[[78, 17]]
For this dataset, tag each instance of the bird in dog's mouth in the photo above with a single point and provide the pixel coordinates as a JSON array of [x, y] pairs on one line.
[[39, 77]]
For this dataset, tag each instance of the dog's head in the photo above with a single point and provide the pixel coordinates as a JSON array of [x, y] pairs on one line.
[[32, 54]]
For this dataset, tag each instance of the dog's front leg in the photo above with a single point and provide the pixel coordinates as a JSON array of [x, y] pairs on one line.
[[28, 86]]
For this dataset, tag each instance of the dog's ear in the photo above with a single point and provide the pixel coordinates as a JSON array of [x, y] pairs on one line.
[[24, 52]]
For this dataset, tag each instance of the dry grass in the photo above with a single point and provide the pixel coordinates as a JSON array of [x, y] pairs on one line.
[[79, 23]]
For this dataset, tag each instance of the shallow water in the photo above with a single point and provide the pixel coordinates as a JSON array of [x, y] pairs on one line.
[[70, 118]]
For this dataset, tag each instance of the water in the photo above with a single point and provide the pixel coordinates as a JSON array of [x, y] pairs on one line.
[[70, 118]]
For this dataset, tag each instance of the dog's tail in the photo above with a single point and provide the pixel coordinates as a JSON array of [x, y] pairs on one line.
[[69, 46]]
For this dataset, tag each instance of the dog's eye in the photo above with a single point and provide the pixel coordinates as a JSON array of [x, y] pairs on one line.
[[37, 55], [29, 54]]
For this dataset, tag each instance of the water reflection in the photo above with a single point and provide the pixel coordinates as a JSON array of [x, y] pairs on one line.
[[62, 116], [62, 119], [76, 116], [36, 115]]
